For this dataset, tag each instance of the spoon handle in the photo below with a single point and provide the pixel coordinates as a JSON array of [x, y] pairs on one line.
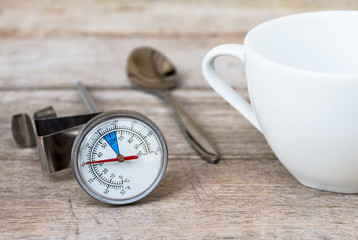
[[194, 134]]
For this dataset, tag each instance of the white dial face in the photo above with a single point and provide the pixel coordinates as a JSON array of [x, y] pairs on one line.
[[120, 158]]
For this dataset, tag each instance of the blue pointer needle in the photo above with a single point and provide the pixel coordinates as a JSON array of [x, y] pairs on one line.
[[111, 139]]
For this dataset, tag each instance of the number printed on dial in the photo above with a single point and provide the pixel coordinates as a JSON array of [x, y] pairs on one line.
[[120, 158]]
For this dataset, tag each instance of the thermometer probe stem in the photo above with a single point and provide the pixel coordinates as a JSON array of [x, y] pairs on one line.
[[86, 98]]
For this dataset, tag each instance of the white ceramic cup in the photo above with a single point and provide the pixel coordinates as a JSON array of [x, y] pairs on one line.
[[302, 77]]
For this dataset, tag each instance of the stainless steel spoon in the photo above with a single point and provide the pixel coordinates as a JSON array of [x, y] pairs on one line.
[[151, 71]]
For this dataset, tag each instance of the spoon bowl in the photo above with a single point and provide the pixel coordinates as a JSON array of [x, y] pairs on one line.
[[150, 70]]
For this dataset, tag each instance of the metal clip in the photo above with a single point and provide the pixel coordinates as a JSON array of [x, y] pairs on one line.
[[54, 136]]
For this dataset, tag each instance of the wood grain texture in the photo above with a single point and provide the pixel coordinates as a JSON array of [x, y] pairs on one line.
[[54, 63], [47, 46], [157, 18], [233, 199]]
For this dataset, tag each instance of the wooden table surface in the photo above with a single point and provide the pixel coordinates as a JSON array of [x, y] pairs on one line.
[[46, 46]]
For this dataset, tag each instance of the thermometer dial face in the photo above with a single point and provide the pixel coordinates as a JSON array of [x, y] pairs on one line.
[[119, 157]]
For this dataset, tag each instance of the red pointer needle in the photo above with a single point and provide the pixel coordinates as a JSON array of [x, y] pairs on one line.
[[120, 158]]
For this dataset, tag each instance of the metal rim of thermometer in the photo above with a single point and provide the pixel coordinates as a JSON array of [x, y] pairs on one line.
[[119, 157]]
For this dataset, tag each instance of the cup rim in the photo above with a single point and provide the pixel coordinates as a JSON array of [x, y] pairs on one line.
[[292, 16]]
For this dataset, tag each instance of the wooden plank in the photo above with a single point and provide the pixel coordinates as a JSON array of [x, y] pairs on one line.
[[101, 62], [147, 18], [233, 199], [233, 134]]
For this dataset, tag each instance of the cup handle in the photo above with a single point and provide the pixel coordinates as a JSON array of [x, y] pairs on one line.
[[221, 87]]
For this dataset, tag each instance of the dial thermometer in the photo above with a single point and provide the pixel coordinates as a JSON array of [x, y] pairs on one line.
[[119, 157]]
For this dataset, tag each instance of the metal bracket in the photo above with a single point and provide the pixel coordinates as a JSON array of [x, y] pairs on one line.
[[54, 136]]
